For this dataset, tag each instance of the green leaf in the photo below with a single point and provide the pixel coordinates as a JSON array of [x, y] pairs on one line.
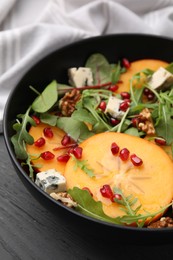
[[76, 129], [22, 136], [48, 119], [46, 99], [100, 67], [132, 131], [83, 165], [88, 206], [84, 116], [63, 88], [170, 68], [116, 72]]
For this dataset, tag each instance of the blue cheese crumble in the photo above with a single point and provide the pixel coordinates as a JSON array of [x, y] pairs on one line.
[[51, 181]]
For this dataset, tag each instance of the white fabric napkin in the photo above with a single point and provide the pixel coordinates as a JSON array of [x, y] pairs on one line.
[[29, 30]]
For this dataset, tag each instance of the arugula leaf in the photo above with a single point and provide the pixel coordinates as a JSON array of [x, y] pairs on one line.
[[22, 136], [82, 164], [164, 127], [63, 88], [116, 72], [133, 131], [170, 67], [76, 129], [100, 68], [46, 99], [88, 206], [48, 118], [83, 115]]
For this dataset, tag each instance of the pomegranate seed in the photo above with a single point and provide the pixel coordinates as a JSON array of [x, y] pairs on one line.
[[47, 155], [40, 142], [136, 160], [114, 148], [102, 105], [125, 95], [114, 121], [70, 151], [86, 188], [113, 88], [146, 91], [77, 151], [124, 106], [135, 121], [150, 96], [160, 141], [106, 191], [48, 132], [36, 119], [124, 154], [126, 63], [65, 140], [117, 196], [63, 158]]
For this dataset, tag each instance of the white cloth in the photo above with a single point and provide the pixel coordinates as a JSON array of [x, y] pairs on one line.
[[29, 30]]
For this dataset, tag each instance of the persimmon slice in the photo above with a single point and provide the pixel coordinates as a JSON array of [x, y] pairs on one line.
[[136, 67], [151, 183], [50, 145]]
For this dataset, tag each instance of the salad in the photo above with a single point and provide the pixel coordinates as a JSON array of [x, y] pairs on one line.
[[103, 143]]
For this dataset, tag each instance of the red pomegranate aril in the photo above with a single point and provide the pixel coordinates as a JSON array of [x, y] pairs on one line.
[[77, 152], [135, 121], [48, 132], [125, 95], [114, 121], [102, 105], [113, 88], [124, 154], [117, 196], [160, 141], [124, 106], [114, 148], [47, 155], [65, 140], [63, 158], [40, 142], [146, 91], [150, 96], [107, 192], [136, 160], [87, 189], [36, 119], [126, 63]]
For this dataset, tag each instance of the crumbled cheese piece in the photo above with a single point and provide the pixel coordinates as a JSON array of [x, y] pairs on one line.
[[161, 79], [80, 77], [113, 106], [51, 181]]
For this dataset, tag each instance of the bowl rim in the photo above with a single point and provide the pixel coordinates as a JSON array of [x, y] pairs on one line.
[[19, 167]]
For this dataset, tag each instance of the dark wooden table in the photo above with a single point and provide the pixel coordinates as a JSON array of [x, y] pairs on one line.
[[29, 231]]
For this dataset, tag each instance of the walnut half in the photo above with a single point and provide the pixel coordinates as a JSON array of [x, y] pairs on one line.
[[65, 198], [145, 122], [68, 102]]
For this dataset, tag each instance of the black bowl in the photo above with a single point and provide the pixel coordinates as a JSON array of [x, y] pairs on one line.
[[54, 66]]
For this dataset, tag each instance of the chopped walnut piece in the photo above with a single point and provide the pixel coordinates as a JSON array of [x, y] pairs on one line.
[[65, 198], [68, 102], [162, 223], [145, 122]]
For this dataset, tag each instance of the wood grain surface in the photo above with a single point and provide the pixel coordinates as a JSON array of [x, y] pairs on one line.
[[28, 231]]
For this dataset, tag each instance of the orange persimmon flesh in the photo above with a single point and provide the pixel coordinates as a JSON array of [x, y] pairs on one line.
[[136, 67], [36, 132], [151, 183]]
